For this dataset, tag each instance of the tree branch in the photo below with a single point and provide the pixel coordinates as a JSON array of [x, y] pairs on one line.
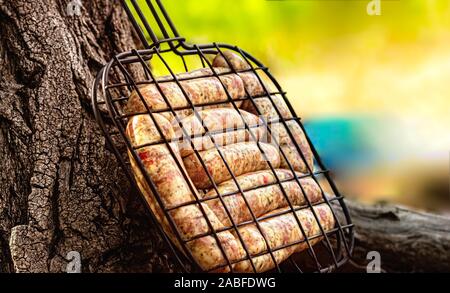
[[407, 240]]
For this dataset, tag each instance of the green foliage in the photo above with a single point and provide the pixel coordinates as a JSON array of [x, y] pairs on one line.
[[285, 30]]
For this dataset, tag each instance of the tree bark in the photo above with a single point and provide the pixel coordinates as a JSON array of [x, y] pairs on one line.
[[61, 190], [407, 240]]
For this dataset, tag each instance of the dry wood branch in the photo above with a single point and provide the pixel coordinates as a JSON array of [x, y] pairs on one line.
[[407, 240]]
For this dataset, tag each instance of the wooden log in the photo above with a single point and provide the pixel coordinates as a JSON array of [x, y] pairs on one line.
[[407, 240]]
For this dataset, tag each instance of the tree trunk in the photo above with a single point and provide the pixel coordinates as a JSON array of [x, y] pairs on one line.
[[61, 190]]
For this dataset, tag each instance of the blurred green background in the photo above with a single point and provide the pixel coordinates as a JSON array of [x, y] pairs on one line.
[[373, 90]]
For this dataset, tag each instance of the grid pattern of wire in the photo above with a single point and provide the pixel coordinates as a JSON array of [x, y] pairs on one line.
[[127, 71]]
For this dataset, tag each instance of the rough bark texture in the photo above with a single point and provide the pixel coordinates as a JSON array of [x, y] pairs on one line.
[[407, 240], [61, 189]]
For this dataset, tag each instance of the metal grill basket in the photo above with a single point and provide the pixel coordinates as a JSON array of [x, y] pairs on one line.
[[127, 71]]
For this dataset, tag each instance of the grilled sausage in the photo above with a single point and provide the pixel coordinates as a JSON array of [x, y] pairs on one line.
[[221, 122], [260, 200], [241, 157], [199, 90]]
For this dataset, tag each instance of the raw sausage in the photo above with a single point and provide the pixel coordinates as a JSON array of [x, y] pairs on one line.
[[174, 190], [199, 90], [241, 157], [266, 107], [228, 58], [221, 139], [216, 121], [280, 133], [283, 230], [169, 180], [260, 200], [248, 181], [254, 87], [204, 88], [251, 82], [189, 221], [287, 145]]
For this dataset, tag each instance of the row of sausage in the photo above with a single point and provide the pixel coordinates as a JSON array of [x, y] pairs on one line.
[[254, 178]]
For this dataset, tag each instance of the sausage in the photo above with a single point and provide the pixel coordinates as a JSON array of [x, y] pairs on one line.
[[221, 139], [202, 72], [228, 58], [252, 84], [216, 120], [266, 107], [241, 157], [254, 87], [287, 145], [280, 133], [173, 190], [161, 167], [141, 130], [260, 200], [280, 231], [248, 181], [204, 88], [199, 91]]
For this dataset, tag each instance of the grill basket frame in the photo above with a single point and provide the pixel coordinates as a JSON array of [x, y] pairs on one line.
[[108, 99]]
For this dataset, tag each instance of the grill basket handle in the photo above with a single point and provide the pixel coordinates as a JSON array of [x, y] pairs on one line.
[[136, 11]]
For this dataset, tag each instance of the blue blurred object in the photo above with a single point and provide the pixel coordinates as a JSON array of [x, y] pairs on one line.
[[345, 144]]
